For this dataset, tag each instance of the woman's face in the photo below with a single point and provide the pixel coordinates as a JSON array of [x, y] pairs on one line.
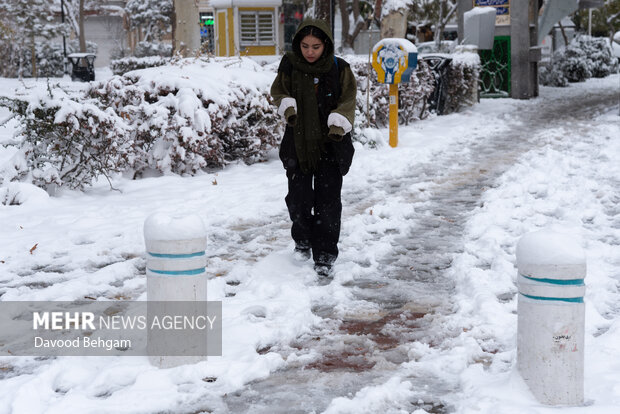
[[311, 48]]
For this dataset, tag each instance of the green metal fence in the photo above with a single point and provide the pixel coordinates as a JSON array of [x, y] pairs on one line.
[[495, 73]]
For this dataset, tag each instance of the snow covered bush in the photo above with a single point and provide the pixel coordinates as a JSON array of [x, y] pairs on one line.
[[178, 119], [583, 58], [67, 143], [124, 65], [550, 75], [462, 81]]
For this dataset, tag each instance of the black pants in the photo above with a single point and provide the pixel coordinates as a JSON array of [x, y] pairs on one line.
[[315, 208]]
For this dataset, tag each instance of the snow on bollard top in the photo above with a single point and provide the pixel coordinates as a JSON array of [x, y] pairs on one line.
[[551, 254], [174, 234], [480, 10]]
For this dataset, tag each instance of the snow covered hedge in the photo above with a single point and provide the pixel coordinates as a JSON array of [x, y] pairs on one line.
[[174, 119], [180, 118], [127, 64], [583, 58]]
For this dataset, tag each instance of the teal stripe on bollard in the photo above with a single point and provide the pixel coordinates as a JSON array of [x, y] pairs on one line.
[[176, 256], [178, 272], [570, 300], [568, 282]]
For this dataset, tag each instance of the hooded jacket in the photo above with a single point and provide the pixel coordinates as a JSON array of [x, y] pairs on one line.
[[336, 94]]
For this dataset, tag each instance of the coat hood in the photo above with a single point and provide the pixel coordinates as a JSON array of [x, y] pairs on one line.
[[323, 27]]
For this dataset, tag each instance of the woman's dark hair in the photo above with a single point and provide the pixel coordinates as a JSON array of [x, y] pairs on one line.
[[312, 31]]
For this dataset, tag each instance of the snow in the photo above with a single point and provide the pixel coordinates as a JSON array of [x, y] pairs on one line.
[[90, 244], [394, 5], [478, 11], [161, 226], [549, 247], [403, 44]]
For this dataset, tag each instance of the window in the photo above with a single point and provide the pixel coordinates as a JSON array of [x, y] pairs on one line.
[[257, 28]]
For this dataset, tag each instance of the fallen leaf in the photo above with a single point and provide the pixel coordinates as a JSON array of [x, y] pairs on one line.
[[214, 182], [371, 211], [2, 261], [34, 248]]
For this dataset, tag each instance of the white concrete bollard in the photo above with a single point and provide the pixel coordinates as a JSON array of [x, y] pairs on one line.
[[551, 316], [175, 267]]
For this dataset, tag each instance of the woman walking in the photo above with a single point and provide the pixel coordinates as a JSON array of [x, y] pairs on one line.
[[315, 93]]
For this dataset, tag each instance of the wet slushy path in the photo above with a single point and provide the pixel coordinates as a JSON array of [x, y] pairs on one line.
[[406, 298]]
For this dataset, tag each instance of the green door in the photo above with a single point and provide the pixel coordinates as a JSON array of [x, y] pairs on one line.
[[495, 71]]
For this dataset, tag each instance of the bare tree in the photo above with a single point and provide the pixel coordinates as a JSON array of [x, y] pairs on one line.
[[447, 8]]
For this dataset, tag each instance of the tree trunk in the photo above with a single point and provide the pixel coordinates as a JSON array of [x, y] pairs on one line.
[[33, 58], [346, 39], [377, 11], [439, 26], [186, 31], [173, 19], [81, 27], [323, 10]]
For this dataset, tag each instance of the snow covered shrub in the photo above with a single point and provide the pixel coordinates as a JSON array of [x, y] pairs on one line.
[[247, 128], [124, 65], [462, 82], [600, 59], [68, 143], [168, 129], [153, 120], [583, 58], [574, 64]]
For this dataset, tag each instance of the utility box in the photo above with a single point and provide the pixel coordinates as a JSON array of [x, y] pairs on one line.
[[479, 27]]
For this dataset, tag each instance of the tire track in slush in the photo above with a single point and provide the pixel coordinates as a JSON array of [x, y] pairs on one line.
[[409, 293]]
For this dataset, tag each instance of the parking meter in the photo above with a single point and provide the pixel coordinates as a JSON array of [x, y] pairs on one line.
[[394, 60]]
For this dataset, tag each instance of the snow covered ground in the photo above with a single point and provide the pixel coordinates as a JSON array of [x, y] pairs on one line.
[[563, 173]]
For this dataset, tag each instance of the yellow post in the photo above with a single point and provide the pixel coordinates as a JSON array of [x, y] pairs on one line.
[[393, 115]]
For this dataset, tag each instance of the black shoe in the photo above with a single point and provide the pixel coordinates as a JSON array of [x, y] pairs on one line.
[[323, 270], [302, 253]]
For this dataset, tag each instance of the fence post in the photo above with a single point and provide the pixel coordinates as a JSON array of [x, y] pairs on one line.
[[175, 272], [551, 316]]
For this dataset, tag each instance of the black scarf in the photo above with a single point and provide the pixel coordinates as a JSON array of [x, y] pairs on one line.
[[308, 129]]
